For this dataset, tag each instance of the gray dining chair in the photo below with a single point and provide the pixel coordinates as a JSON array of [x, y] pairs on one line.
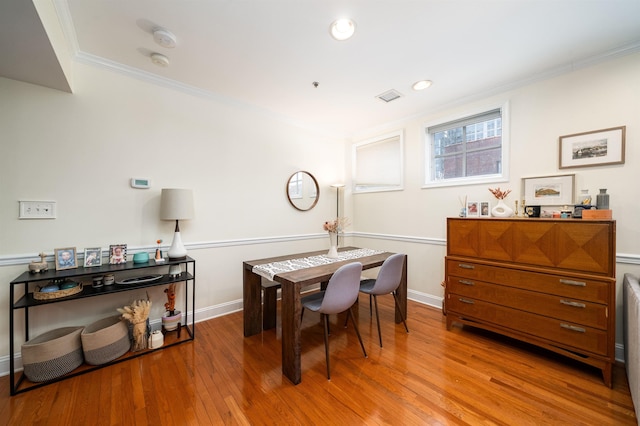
[[388, 280], [339, 296]]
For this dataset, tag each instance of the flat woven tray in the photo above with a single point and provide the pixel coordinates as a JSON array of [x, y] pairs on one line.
[[38, 295]]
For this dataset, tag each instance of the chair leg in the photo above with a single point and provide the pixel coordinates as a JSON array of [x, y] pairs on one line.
[[404, 321], [325, 318], [355, 325], [370, 311], [375, 300]]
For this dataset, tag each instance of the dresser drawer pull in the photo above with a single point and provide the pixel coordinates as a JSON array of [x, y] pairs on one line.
[[574, 304], [572, 282], [466, 282], [573, 328], [470, 302], [465, 266]]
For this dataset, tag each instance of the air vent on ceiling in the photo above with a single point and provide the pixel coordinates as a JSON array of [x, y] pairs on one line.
[[390, 95]]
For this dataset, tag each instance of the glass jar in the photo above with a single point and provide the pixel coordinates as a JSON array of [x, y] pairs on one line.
[[583, 198]]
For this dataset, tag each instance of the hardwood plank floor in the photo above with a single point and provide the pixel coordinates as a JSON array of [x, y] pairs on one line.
[[429, 376]]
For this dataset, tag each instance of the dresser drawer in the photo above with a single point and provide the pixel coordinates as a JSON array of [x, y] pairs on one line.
[[565, 333], [559, 307], [562, 285]]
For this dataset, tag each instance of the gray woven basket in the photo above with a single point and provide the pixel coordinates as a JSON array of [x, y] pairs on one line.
[[52, 354], [105, 340]]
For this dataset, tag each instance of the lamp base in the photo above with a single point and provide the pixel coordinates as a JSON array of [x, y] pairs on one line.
[[175, 270], [177, 251]]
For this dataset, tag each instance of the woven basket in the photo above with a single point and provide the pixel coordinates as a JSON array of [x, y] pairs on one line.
[[52, 354], [105, 340], [38, 295]]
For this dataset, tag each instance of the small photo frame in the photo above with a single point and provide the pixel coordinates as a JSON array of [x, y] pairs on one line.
[[596, 148], [66, 258], [92, 257], [117, 254], [485, 209], [549, 190], [473, 209]]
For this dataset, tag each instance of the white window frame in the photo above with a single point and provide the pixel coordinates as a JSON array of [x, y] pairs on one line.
[[375, 158], [503, 176]]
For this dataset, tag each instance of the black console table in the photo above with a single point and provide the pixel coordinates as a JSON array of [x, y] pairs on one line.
[[23, 287]]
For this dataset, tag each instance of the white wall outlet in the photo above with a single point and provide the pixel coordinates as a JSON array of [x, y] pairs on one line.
[[37, 210]]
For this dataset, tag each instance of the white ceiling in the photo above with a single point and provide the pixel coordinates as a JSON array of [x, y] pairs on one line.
[[268, 53]]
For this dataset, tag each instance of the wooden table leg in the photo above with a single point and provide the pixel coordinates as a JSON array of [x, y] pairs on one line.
[[252, 308], [402, 293], [291, 345]]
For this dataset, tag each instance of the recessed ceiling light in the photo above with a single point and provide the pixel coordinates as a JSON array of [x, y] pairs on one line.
[[342, 29], [159, 59], [164, 38], [421, 85]]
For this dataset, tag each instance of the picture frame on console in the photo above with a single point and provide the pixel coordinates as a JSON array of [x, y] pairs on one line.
[[66, 258], [595, 148], [555, 190], [117, 254], [485, 209], [473, 209], [92, 257]]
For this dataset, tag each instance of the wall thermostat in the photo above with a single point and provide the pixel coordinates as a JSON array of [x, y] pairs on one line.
[[141, 183]]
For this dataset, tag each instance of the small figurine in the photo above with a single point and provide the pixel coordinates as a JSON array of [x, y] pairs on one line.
[[42, 266], [170, 306], [159, 258]]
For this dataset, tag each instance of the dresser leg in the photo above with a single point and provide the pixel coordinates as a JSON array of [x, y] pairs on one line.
[[606, 375]]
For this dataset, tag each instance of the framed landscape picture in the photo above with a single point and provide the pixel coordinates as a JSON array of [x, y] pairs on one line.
[[549, 190], [597, 148]]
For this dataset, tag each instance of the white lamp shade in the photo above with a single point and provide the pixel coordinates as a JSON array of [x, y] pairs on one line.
[[176, 204]]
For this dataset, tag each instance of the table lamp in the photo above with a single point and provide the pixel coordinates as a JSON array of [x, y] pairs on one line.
[[176, 204]]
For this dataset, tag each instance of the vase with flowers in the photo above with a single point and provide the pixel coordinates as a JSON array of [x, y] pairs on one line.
[[334, 227], [501, 209]]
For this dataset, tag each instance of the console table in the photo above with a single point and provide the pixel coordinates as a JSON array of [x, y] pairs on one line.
[[291, 283], [23, 286]]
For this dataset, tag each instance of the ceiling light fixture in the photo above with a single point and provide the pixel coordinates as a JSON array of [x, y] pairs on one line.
[[164, 38], [342, 29], [159, 59], [421, 85]]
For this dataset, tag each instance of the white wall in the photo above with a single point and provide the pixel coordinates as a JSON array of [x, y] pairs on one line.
[[602, 96], [81, 150]]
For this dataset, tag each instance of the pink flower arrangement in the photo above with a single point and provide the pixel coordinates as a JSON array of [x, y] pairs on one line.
[[336, 225], [500, 195]]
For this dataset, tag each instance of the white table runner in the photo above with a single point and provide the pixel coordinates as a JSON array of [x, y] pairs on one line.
[[269, 270]]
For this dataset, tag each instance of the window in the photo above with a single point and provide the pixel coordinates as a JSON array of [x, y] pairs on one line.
[[378, 164], [470, 149]]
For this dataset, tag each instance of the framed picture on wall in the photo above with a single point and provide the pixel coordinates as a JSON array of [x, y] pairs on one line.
[[117, 254], [596, 148], [66, 258]]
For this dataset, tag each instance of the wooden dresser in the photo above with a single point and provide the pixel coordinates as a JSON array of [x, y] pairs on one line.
[[549, 282]]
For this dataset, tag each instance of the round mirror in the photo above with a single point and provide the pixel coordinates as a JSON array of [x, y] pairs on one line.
[[302, 191]]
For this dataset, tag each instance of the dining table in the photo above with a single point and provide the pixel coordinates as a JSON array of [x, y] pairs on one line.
[[293, 272]]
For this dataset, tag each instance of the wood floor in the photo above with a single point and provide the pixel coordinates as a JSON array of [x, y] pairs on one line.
[[427, 377]]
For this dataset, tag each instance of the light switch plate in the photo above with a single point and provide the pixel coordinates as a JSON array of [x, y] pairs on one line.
[[37, 210]]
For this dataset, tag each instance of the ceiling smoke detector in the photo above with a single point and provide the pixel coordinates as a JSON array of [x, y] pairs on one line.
[[389, 95], [159, 59], [164, 38]]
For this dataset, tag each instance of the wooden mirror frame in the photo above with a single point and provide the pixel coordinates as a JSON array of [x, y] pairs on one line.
[[300, 206]]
